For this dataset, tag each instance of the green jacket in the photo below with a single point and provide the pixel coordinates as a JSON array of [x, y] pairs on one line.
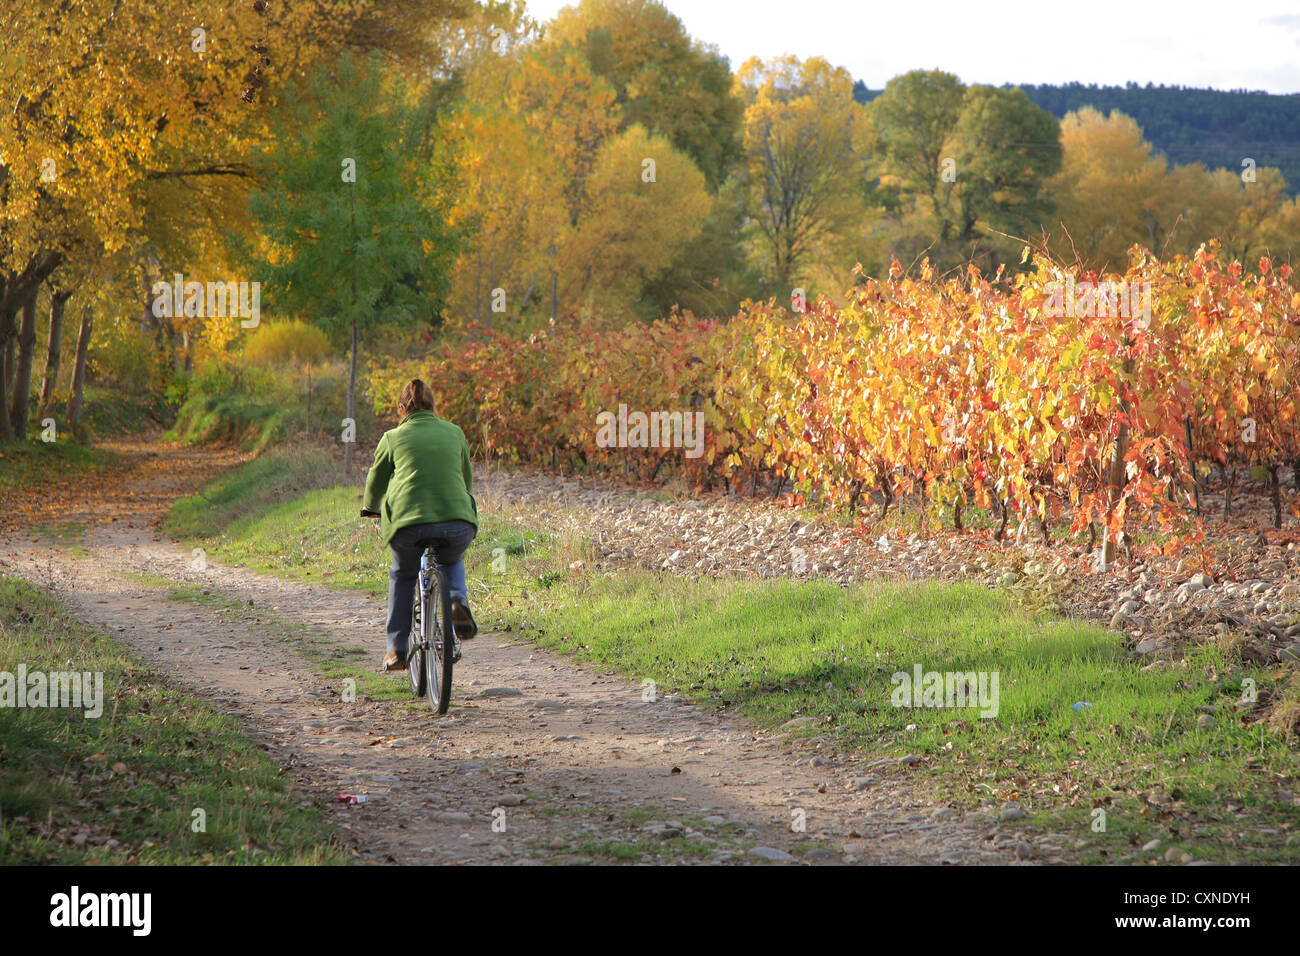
[[421, 475]]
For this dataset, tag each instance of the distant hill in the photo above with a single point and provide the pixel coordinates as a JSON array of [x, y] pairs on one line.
[[1216, 127]]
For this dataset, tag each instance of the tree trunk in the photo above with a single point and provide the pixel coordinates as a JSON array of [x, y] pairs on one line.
[[352, 391], [886, 492], [6, 323], [7, 360], [555, 286], [15, 288], [1191, 465], [1115, 482], [478, 289], [79, 366], [54, 351], [26, 351]]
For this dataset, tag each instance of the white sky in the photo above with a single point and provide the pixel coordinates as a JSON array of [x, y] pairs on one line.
[[1225, 45]]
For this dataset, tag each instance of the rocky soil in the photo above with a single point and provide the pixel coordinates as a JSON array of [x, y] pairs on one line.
[[1161, 603]]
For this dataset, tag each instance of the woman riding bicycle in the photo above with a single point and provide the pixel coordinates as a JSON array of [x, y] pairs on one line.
[[419, 487]]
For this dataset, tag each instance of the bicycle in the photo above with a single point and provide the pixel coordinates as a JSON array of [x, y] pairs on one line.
[[434, 646]]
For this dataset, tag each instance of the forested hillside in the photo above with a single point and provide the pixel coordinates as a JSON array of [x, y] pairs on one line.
[[1219, 128]]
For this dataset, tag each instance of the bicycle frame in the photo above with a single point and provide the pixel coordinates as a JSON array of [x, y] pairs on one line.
[[433, 654], [423, 584]]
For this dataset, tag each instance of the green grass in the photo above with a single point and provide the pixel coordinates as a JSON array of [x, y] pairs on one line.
[[777, 650], [137, 773], [249, 490], [773, 650], [319, 537], [238, 420], [33, 463], [315, 537]]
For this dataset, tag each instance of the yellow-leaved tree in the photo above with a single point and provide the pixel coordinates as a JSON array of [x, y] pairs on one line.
[[664, 80], [109, 102], [804, 160], [1111, 190], [509, 200], [644, 204]]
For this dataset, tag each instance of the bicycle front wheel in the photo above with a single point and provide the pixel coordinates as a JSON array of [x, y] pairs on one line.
[[440, 656]]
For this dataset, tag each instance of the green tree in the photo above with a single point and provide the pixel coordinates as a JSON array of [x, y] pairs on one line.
[[960, 165], [712, 275], [124, 118], [354, 234], [913, 120], [1004, 150]]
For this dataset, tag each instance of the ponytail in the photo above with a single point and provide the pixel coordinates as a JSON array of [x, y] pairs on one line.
[[415, 396]]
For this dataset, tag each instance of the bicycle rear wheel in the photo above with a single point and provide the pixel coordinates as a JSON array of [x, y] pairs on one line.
[[440, 656], [418, 642]]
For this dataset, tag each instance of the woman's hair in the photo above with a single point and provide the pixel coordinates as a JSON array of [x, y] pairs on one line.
[[415, 395]]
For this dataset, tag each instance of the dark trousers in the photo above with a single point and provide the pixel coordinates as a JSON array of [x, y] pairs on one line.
[[450, 540]]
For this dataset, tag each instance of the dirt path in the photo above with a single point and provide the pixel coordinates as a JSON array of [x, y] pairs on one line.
[[540, 760], [149, 477]]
